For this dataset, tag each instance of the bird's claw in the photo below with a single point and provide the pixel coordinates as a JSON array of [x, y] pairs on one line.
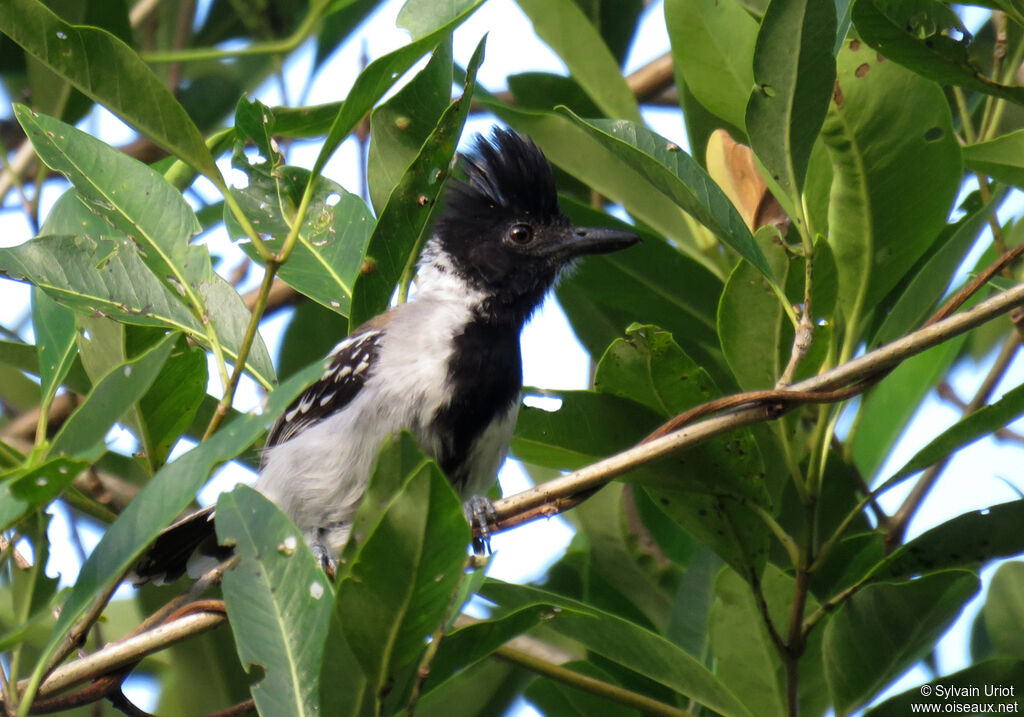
[[323, 556], [481, 515]]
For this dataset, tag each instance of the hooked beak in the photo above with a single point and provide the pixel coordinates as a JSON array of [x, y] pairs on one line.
[[580, 241]]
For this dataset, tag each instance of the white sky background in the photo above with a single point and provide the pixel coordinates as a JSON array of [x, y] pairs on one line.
[[552, 358]]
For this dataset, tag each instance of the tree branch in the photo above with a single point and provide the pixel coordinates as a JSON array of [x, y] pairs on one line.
[[746, 409]]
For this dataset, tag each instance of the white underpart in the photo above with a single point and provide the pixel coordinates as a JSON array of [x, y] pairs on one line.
[[320, 475]]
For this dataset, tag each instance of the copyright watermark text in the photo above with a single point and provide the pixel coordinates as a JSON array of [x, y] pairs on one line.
[[967, 699]]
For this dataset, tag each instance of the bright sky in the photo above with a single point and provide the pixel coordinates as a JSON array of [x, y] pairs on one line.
[[552, 357]]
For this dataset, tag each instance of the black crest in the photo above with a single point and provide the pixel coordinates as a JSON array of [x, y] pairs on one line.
[[508, 177]]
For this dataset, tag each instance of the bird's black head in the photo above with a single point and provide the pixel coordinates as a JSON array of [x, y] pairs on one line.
[[503, 230]]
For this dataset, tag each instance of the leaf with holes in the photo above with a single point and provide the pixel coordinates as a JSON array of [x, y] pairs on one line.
[[139, 204], [162, 499], [886, 127], [401, 227], [794, 72], [278, 601], [328, 254], [108, 71]]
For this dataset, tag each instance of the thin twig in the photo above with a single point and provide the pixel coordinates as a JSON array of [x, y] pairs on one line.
[[129, 650], [251, 330], [242, 708], [928, 479], [572, 678]]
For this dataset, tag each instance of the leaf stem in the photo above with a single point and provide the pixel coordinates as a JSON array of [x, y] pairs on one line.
[[272, 47], [247, 227], [966, 126], [300, 216], [224, 405], [582, 682], [24, 610]]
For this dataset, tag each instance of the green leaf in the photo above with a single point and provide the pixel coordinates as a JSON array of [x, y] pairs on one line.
[[254, 121], [230, 316], [168, 407], [466, 646], [107, 71], [381, 74], [25, 358], [422, 19], [1004, 610], [746, 659], [674, 173], [402, 225], [688, 623], [398, 588], [139, 203], [937, 56], [887, 409], [886, 127], [56, 344], [794, 72], [35, 488], [278, 601], [704, 487], [328, 254], [649, 367], [624, 643], [654, 283], [129, 195], [713, 46], [490, 687], [585, 427], [914, 301], [567, 30], [312, 331], [1001, 158], [735, 532], [965, 541], [160, 501], [903, 619], [617, 21], [617, 573], [750, 314], [546, 90], [83, 433], [101, 344], [1001, 673], [983, 422], [400, 126], [99, 276]]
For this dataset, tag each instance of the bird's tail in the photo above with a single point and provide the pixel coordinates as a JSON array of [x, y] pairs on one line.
[[178, 548]]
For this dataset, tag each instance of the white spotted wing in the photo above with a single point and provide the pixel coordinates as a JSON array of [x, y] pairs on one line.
[[348, 367]]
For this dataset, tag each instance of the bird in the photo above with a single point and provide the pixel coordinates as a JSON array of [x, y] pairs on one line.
[[445, 366]]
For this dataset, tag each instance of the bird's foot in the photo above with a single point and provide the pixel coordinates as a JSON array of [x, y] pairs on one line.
[[481, 515], [323, 556]]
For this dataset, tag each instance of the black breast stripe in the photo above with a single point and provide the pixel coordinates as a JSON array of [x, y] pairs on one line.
[[486, 375]]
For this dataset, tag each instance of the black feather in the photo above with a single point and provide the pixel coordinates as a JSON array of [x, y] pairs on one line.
[[167, 558], [509, 178]]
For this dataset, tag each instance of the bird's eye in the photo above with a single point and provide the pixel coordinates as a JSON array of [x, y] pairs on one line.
[[521, 233]]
